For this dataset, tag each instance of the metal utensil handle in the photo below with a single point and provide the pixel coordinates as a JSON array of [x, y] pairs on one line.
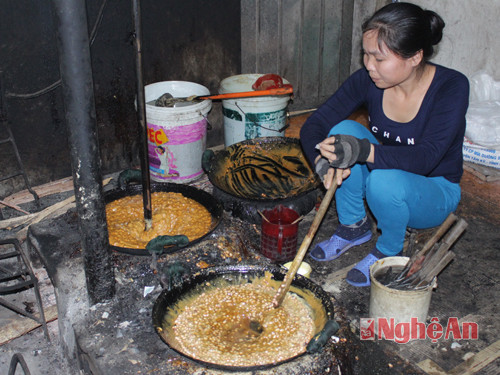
[[141, 115], [413, 263], [249, 94]]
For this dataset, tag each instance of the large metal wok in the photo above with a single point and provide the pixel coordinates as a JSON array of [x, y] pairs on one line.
[[173, 298], [207, 200], [260, 174]]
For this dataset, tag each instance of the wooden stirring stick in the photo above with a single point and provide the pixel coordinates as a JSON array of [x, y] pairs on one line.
[[287, 281]]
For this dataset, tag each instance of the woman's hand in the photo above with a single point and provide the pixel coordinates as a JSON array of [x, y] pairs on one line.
[[327, 149], [328, 152], [326, 172], [342, 175]]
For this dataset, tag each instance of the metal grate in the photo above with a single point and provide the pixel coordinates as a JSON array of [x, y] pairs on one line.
[[9, 140], [16, 275]]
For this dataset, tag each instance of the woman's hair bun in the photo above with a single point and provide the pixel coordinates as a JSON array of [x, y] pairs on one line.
[[436, 24]]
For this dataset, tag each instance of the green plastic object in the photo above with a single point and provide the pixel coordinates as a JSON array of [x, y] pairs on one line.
[[173, 274], [206, 159], [129, 175], [318, 341], [161, 244]]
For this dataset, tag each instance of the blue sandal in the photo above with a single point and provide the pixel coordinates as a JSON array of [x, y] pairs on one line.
[[334, 247], [338, 244], [360, 270], [359, 275]]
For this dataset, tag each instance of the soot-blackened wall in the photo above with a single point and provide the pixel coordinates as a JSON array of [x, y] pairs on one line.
[[188, 40]]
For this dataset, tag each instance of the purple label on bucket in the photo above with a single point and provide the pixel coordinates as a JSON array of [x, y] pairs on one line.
[[168, 150], [177, 178], [178, 134]]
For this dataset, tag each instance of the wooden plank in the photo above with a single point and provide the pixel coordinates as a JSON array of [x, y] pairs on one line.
[[55, 210], [468, 367], [478, 361], [331, 47], [430, 367], [24, 196], [268, 35], [306, 42], [295, 124], [296, 120], [290, 63], [248, 36], [15, 207], [339, 274], [336, 276], [16, 221], [58, 208], [312, 39], [20, 325], [483, 172], [346, 40], [37, 217]]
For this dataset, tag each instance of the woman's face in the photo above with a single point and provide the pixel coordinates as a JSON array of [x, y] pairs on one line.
[[386, 69]]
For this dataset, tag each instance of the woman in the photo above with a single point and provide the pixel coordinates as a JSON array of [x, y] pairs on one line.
[[408, 163]]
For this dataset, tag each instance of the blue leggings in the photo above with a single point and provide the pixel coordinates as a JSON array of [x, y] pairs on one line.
[[397, 199]]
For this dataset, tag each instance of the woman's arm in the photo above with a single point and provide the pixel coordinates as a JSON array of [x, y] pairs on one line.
[[349, 97]]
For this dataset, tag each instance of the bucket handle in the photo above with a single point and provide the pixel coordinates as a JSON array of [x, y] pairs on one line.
[[259, 125], [209, 125], [280, 239]]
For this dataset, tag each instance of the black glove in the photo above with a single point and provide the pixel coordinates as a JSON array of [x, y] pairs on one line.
[[349, 151], [321, 168]]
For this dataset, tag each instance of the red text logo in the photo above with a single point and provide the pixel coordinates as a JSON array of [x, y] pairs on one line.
[[403, 332]]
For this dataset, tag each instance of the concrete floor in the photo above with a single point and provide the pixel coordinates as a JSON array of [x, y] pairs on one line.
[[467, 289]]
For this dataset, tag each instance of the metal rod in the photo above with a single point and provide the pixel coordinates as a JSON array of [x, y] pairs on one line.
[[415, 261], [16, 359], [301, 112], [78, 94], [141, 115]]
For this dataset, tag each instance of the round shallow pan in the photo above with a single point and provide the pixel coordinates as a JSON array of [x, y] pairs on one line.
[[235, 274], [260, 174], [207, 200]]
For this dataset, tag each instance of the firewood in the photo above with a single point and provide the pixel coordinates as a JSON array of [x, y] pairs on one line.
[[58, 208], [16, 221], [17, 208], [24, 196]]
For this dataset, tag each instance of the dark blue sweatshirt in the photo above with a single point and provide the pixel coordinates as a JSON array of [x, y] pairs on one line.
[[429, 145]]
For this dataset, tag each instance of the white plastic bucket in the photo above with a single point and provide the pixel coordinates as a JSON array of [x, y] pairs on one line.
[[249, 118], [401, 305], [177, 137]]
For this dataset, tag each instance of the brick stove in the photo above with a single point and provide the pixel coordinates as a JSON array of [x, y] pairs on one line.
[[117, 336]]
